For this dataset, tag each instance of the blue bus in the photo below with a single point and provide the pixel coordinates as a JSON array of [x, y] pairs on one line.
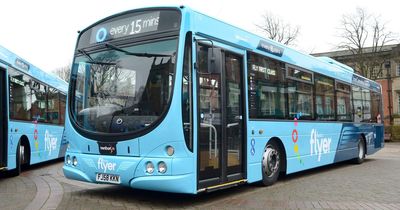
[[169, 99], [32, 114]]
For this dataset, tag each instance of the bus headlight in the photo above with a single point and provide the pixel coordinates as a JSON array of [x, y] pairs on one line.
[[68, 160], [162, 167], [74, 161], [149, 167], [170, 150]]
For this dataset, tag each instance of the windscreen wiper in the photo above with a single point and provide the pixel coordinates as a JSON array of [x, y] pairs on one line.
[[110, 46], [92, 61]]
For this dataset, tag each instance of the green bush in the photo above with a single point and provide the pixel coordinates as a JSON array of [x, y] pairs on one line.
[[395, 130]]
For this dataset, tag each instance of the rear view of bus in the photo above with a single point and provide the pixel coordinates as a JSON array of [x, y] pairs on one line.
[[124, 125]]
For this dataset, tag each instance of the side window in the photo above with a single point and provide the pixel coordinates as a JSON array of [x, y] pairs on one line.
[[343, 102], [53, 106], [63, 100], [300, 94], [366, 105], [376, 102], [357, 104], [324, 98], [266, 87], [187, 93], [38, 101], [20, 96]]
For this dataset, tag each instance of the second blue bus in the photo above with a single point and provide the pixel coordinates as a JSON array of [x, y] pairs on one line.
[[32, 114]]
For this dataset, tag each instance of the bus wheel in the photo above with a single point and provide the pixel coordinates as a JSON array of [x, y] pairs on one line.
[[361, 152], [18, 159], [271, 163]]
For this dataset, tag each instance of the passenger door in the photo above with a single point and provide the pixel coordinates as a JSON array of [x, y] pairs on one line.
[[3, 119], [220, 120]]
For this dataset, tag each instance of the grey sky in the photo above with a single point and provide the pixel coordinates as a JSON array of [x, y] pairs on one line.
[[44, 32]]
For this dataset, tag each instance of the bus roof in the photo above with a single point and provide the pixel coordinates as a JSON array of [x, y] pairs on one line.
[[212, 28], [11, 59]]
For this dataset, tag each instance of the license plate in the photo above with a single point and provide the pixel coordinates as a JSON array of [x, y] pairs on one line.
[[108, 178]]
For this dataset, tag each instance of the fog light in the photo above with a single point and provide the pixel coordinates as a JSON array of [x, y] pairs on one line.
[[162, 167], [74, 161], [170, 150], [149, 167], [68, 160]]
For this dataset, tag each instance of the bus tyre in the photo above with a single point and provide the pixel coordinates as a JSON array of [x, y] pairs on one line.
[[271, 163], [361, 152], [18, 159]]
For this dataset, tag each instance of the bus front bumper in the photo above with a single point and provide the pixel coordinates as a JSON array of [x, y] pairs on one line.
[[132, 172]]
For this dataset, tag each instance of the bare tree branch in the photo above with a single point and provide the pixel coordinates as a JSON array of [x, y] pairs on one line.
[[276, 29]]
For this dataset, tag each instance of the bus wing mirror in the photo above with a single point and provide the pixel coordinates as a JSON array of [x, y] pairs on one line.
[[214, 60]]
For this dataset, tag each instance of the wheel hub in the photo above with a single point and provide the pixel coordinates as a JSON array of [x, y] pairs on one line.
[[270, 161]]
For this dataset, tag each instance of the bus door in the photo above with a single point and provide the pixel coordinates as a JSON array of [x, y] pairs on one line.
[[3, 119], [220, 119]]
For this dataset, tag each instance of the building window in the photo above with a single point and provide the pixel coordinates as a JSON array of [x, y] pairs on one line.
[[398, 70]]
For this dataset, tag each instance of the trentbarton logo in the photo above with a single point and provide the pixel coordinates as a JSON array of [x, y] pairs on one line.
[[107, 148]]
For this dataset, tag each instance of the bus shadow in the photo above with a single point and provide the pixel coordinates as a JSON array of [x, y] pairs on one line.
[[173, 200], [322, 169], [31, 168]]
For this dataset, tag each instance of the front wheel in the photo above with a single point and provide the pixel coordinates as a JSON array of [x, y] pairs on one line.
[[271, 163]]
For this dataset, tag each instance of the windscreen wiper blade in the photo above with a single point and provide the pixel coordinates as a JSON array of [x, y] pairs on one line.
[[92, 61], [110, 46]]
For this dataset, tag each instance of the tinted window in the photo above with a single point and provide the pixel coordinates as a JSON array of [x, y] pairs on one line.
[[376, 107], [266, 87], [38, 101], [53, 106], [343, 102], [186, 92], [300, 100], [20, 96], [324, 98], [357, 104], [366, 94]]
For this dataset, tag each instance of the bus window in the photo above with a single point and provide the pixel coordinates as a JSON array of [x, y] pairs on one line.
[[376, 107], [187, 93], [343, 102], [38, 101], [20, 96], [366, 105], [63, 100], [324, 98], [301, 103], [357, 104], [52, 106], [266, 88]]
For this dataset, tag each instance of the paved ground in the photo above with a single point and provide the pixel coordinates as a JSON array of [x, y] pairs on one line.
[[375, 184]]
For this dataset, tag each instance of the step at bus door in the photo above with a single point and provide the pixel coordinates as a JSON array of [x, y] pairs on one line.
[[220, 119], [3, 119]]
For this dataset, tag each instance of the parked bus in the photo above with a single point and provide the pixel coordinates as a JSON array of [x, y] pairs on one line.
[[169, 99], [32, 113]]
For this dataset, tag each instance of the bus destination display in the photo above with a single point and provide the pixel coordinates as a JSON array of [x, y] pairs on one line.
[[142, 23]]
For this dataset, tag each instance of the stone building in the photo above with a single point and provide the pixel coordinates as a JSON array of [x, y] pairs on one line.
[[383, 67]]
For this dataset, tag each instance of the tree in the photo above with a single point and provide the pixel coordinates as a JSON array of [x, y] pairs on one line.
[[276, 29], [63, 72], [365, 35]]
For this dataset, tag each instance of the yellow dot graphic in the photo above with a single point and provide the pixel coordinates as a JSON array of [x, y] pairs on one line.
[[296, 148]]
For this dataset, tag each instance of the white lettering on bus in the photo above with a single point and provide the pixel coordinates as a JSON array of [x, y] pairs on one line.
[[104, 165], [319, 144], [123, 29], [50, 142]]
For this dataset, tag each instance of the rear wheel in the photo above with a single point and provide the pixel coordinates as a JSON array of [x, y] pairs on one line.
[[271, 163], [361, 152], [19, 156]]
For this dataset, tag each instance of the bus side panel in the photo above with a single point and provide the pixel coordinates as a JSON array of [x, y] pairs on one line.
[[307, 145], [44, 140]]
